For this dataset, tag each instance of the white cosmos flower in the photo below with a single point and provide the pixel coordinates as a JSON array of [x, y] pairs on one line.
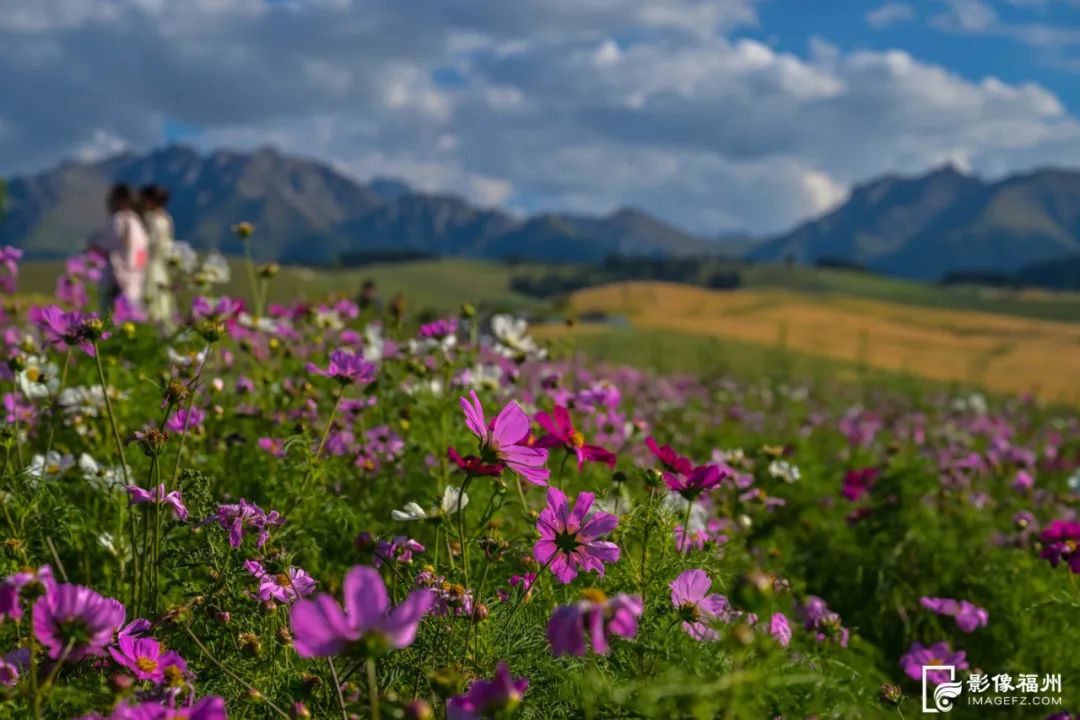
[[101, 476], [374, 342], [38, 379], [50, 466], [450, 499], [411, 512], [215, 268], [783, 470], [186, 359], [512, 337]]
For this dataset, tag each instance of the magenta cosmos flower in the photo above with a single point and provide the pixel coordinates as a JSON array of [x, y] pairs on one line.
[[692, 484], [968, 615], [285, 587], [561, 433], [669, 459], [347, 368], [174, 499], [145, 658], [497, 697], [323, 628], [569, 538], [859, 482], [1061, 542], [76, 620], [937, 654], [697, 608], [504, 440], [596, 616]]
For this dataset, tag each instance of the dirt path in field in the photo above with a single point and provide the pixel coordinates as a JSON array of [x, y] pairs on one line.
[[997, 351]]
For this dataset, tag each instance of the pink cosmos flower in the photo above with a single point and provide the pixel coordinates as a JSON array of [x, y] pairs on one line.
[[14, 585], [569, 538], [497, 697], [823, 622], [75, 620], [243, 516], [208, 708], [138, 496], [347, 368], [285, 587], [504, 440], [599, 617], [65, 329], [224, 308], [780, 629], [184, 420], [145, 658], [561, 433], [937, 654], [968, 615], [323, 628], [697, 608]]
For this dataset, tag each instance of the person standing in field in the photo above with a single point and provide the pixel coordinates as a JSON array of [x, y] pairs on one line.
[[160, 304], [124, 243]]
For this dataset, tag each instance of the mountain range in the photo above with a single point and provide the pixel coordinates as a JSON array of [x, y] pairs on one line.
[[945, 221], [306, 212]]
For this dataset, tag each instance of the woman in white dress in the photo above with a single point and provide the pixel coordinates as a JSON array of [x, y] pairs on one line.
[[124, 243], [160, 304]]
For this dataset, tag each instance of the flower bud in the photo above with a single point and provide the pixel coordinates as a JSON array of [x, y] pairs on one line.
[[890, 693], [243, 229], [419, 710]]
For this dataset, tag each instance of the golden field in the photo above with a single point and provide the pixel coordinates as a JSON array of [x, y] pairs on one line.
[[999, 352]]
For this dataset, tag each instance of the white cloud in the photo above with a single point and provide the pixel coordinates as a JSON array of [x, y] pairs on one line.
[[584, 105], [890, 13]]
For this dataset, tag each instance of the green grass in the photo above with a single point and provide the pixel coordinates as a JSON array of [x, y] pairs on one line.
[[445, 284], [441, 285], [673, 352]]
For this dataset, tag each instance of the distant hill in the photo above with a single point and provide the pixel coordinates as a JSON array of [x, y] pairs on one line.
[[946, 221], [307, 212]]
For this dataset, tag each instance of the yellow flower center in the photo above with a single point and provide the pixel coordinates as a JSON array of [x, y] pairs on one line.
[[594, 595], [283, 580], [32, 374], [146, 664], [577, 438]]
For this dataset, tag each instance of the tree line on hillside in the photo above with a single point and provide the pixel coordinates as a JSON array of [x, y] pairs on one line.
[[703, 272]]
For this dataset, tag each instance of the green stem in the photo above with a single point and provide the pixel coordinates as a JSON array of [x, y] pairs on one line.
[[373, 689], [249, 263], [461, 527], [329, 425], [192, 388], [233, 675], [337, 688], [112, 416]]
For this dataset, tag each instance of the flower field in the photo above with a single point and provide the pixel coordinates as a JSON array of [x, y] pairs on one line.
[[338, 510]]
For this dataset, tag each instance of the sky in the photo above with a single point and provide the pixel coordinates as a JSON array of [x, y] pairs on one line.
[[717, 115]]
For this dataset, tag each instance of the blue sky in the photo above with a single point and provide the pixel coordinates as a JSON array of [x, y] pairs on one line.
[[717, 115]]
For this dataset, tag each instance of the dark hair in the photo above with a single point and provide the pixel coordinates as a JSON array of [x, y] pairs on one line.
[[121, 194], [155, 194]]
